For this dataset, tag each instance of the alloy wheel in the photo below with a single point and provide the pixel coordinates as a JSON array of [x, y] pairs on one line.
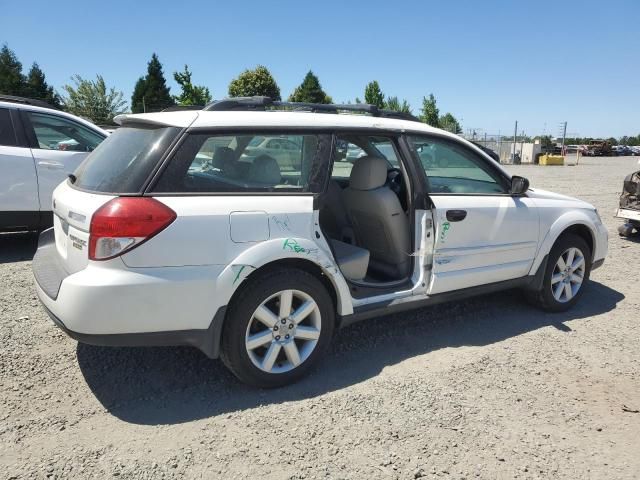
[[568, 275], [283, 331]]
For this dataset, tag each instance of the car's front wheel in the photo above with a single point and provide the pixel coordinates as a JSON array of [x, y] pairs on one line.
[[568, 269], [277, 327]]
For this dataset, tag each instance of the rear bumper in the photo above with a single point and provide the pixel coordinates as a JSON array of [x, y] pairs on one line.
[[48, 269], [206, 340], [110, 304]]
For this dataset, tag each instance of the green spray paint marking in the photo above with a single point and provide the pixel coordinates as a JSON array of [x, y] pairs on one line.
[[445, 228], [238, 274], [293, 246]]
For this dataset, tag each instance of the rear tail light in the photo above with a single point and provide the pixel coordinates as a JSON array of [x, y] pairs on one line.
[[124, 223]]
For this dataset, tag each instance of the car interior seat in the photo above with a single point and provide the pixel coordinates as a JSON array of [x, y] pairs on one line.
[[265, 171], [380, 224]]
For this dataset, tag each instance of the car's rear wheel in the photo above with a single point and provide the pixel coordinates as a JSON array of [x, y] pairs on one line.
[[567, 271], [277, 327]]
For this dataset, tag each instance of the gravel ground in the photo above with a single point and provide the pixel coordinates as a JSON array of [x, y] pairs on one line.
[[488, 388]]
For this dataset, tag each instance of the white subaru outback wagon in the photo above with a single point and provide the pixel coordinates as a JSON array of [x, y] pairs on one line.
[[171, 234]]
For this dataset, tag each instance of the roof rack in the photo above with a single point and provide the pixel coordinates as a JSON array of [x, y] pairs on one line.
[[26, 101], [180, 108], [265, 103]]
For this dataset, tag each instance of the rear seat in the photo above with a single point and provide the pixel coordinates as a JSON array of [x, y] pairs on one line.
[[353, 261]]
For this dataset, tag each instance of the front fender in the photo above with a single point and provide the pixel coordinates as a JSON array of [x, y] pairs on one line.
[[277, 249], [566, 220]]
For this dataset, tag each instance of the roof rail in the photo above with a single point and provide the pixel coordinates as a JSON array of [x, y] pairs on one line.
[[180, 108], [264, 103], [26, 101]]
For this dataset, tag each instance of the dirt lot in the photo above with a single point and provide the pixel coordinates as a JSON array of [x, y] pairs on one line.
[[488, 388]]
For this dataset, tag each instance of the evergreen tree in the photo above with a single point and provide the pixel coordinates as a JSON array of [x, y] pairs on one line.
[[450, 123], [12, 82], [137, 104], [257, 82], [191, 94], [151, 93], [310, 91], [37, 87], [430, 112], [373, 95]]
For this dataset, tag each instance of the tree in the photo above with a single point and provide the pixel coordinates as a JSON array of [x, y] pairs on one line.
[[12, 82], [90, 99], [373, 95], [191, 94], [151, 93], [449, 123], [430, 112], [310, 91], [36, 87], [394, 104], [255, 82], [545, 140]]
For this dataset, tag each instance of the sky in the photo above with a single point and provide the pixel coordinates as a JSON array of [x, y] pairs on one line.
[[489, 63]]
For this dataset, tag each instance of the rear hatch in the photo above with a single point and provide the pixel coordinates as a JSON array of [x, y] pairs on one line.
[[120, 166], [72, 211]]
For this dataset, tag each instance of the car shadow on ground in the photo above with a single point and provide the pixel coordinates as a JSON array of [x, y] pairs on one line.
[[173, 385], [17, 247]]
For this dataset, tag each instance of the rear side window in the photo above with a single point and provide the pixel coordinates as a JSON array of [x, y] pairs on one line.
[[248, 162], [125, 160], [7, 135]]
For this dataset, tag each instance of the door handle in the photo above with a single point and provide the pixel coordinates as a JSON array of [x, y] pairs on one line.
[[52, 165], [456, 215]]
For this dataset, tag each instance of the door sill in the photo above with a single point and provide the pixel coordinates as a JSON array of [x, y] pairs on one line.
[[392, 306]]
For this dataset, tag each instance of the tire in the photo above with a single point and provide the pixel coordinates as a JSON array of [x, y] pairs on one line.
[[625, 230], [257, 345], [554, 277]]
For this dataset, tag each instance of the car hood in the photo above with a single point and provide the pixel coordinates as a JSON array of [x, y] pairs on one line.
[[546, 195]]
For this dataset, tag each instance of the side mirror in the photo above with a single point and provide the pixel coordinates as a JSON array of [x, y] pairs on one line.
[[519, 185]]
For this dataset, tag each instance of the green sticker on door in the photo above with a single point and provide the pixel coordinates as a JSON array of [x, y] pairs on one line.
[[443, 232]]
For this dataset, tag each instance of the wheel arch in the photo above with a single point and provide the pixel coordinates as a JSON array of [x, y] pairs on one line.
[[308, 266], [577, 223], [275, 253]]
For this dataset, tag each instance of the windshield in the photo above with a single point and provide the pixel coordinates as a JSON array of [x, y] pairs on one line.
[[124, 161]]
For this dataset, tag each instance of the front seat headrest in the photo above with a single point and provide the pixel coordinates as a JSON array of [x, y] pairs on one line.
[[265, 170], [368, 173]]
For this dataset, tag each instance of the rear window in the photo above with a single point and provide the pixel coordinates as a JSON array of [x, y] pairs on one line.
[[124, 161]]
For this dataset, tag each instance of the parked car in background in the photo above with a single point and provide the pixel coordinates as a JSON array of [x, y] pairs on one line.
[[39, 147], [285, 151], [630, 205], [258, 264], [623, 151]]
